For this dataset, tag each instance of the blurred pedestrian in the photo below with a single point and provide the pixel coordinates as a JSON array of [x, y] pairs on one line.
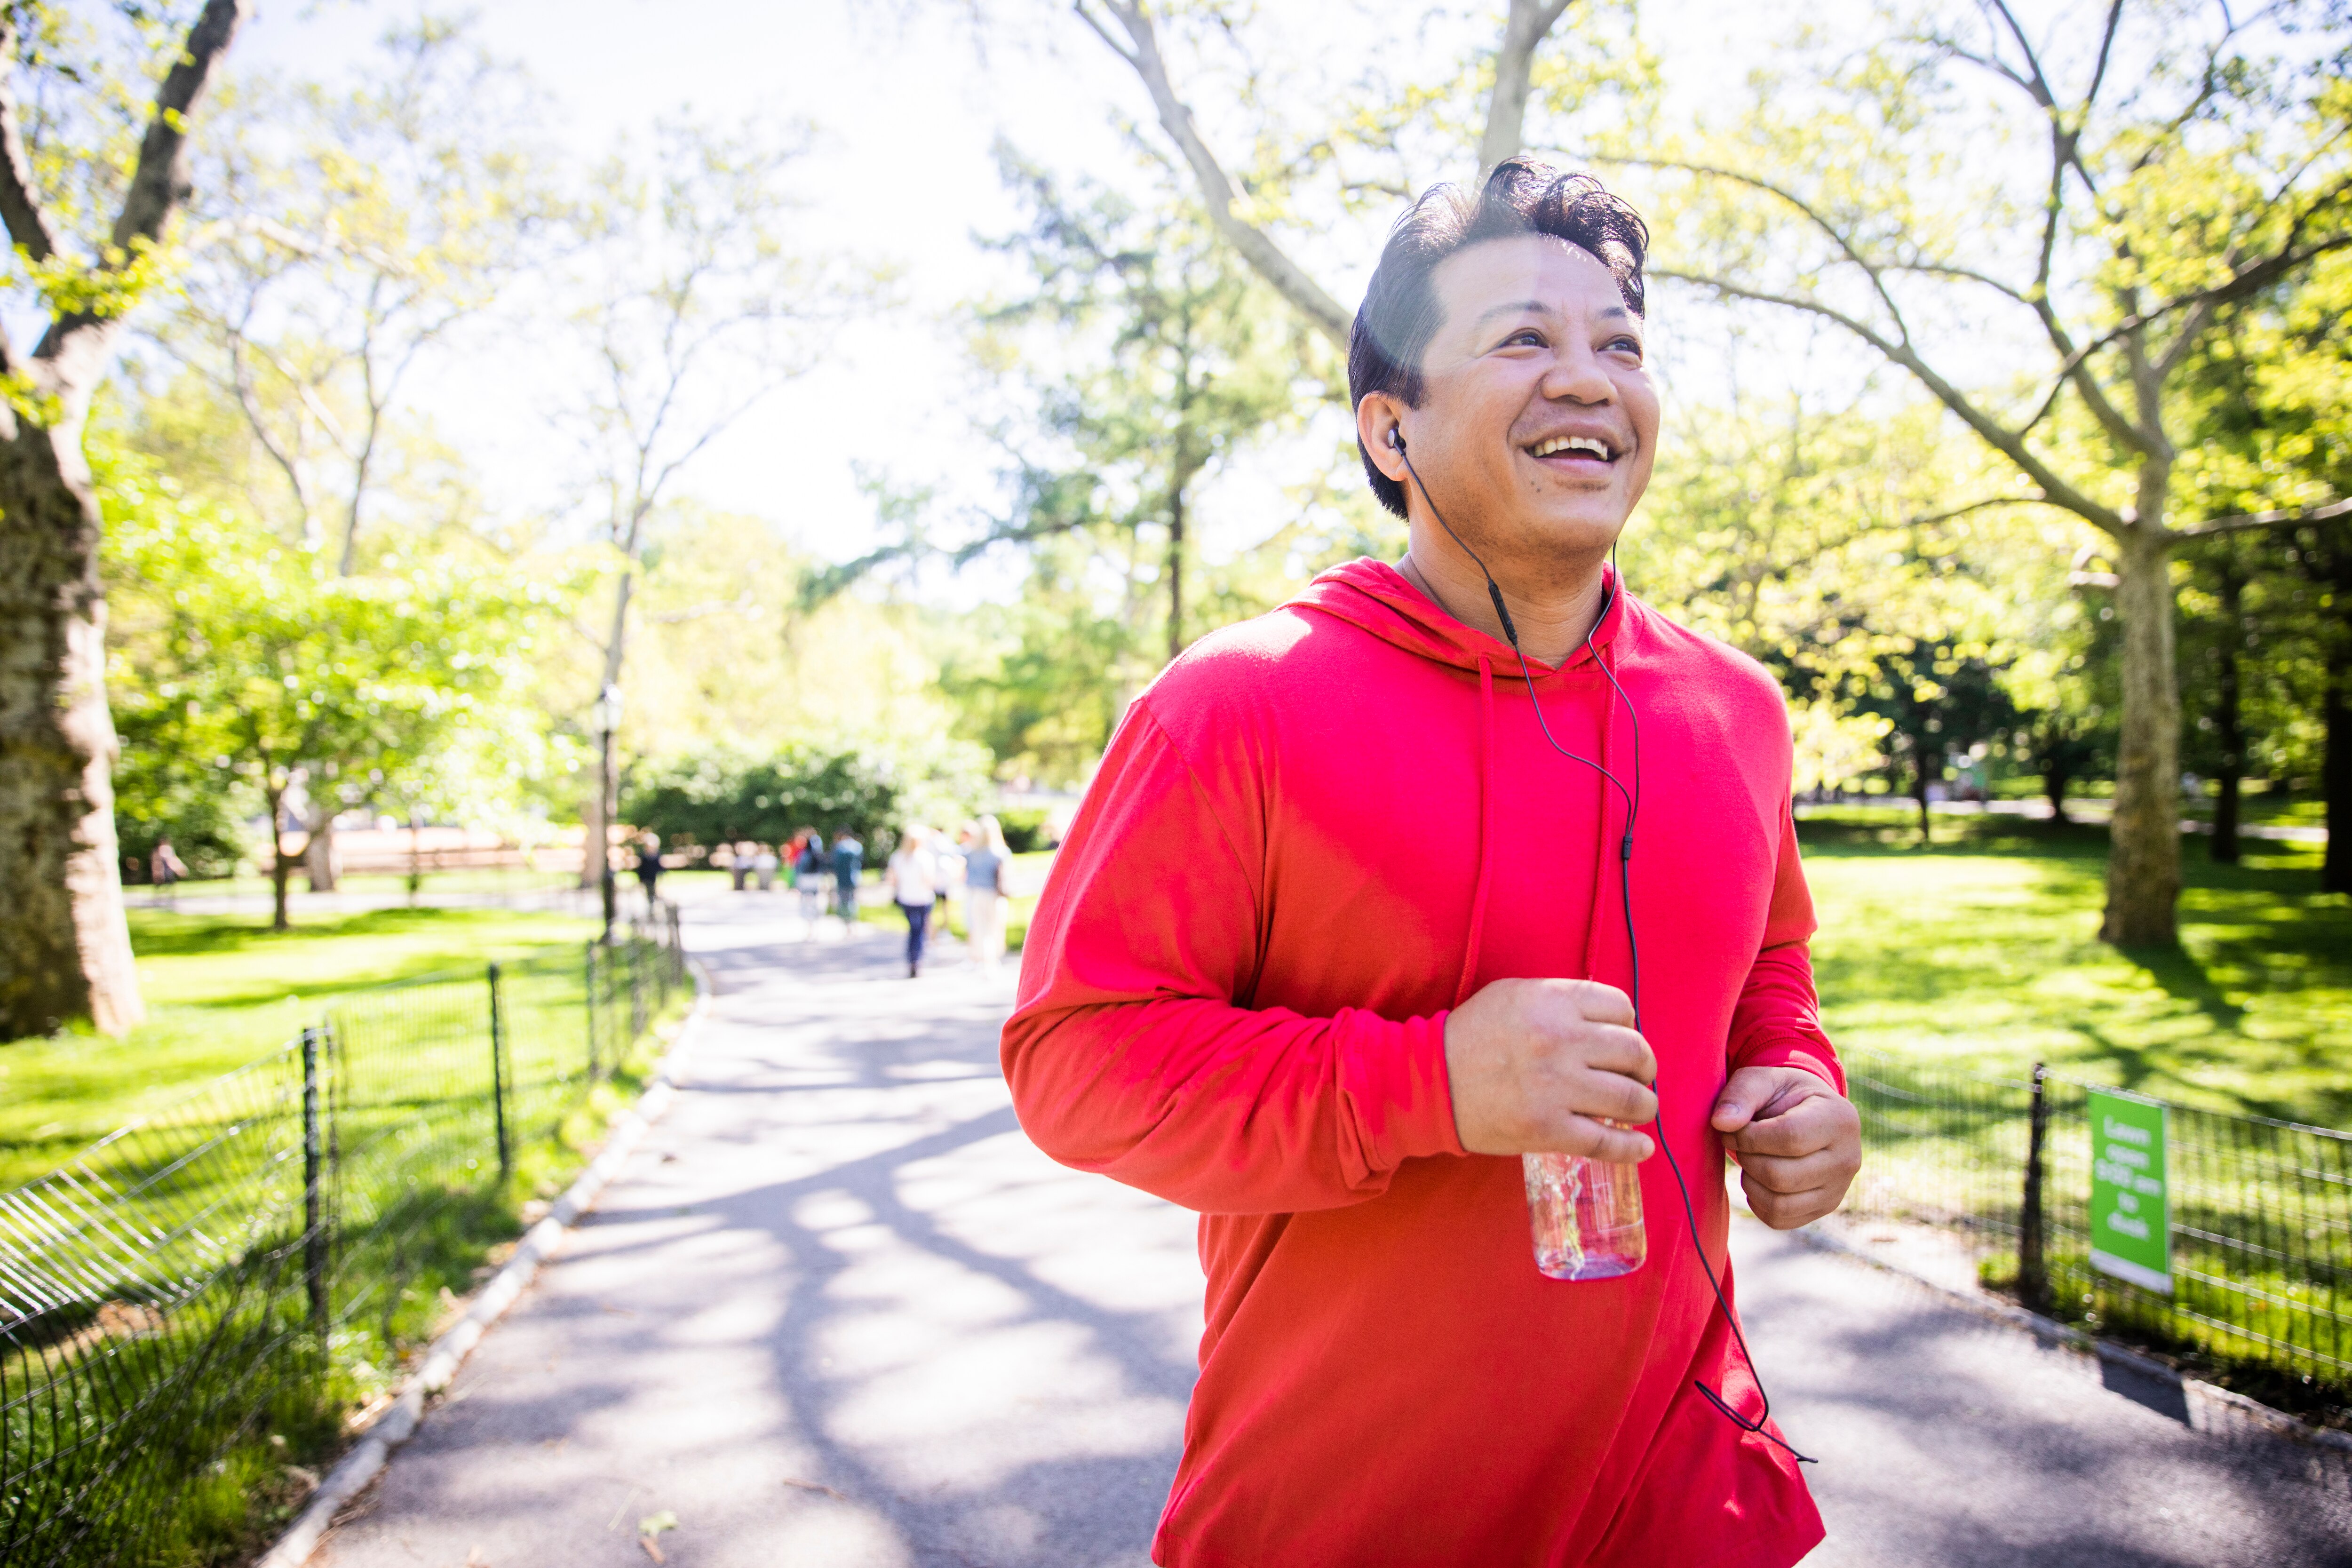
[[649, 867], [946, 871], [808, 874], [763, 867], [738, 863], [967, 839], [985, 867], [164, 868], [848, 863], [914, 878]]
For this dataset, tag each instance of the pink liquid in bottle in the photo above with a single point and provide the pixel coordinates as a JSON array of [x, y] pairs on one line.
[[1586, 1214]]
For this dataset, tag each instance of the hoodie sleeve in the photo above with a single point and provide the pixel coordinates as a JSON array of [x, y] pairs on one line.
[[1778, 1019], [1129, 1055]]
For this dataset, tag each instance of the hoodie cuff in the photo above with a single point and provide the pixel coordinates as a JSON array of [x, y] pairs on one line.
[[1814, 1056], [1392, 1077]]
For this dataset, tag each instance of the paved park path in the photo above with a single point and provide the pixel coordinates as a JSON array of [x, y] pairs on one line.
[[838, 1313]]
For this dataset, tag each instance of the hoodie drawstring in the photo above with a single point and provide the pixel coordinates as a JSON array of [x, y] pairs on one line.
[[1485, 827], [1605, 858]]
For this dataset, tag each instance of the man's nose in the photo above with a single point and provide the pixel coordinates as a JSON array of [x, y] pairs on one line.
[[1577, 375]]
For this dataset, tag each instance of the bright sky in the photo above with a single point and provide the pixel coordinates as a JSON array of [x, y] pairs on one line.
[[904, 172], [908, 110]]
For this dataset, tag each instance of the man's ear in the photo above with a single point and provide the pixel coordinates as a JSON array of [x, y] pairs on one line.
[[1376, 417]]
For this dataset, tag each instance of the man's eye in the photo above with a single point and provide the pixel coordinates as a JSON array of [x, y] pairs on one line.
[[1527, 335]]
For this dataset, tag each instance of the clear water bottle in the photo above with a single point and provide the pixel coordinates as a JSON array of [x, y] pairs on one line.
[[1586, 1214]]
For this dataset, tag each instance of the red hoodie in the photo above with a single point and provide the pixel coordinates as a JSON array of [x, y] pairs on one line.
[[1313, 834]]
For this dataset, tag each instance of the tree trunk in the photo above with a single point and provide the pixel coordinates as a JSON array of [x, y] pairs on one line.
[[65, 946], [1926, 764], [2224, 849], [2229, 719], [2335, 771], [375, 400], [319, 861], [592, 869], [1524, 27], [1176, 574], [281, 864], [596, 848], [2053, 789], [2143, 858]]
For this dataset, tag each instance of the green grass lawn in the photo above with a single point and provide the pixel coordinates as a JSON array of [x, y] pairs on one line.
[[432, 1175], [253, 884], [220, 991], [1983, 950], [2263, 810]]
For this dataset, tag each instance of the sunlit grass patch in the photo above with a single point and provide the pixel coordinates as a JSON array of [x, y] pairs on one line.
[[221, 991], [177, 1394], [1983, 950]]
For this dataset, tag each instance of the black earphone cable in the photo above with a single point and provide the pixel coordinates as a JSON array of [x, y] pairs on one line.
[[1633, 799]]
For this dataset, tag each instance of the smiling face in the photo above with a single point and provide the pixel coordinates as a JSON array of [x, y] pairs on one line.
[[1539, 423]]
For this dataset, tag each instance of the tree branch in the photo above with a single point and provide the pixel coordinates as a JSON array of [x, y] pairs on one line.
[[2036, 83], [1836, 235], [2252, 280], [1921, 521], [249, 401], [835, 580], [2056, 491], [1506, 107], [2009, 291], [159, 183], [2107, 53], [20, 205], [2290, 518], [1254, 247], [2073, 365], [744, 603], [2065, 153]]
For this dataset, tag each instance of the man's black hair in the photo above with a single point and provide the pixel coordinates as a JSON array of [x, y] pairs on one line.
[[1400, 312]]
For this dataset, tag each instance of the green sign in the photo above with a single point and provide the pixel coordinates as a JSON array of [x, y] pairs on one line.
[[2131, 1215]]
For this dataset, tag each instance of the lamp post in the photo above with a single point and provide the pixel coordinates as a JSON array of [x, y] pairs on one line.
[[608, 719]]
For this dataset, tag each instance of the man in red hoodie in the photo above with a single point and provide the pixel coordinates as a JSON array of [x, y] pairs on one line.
[[1352, 917]]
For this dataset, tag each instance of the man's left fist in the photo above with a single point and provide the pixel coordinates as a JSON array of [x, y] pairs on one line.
[[1797, 1142]]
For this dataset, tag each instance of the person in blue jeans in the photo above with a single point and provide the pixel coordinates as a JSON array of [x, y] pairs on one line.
[[848, 862], [914, 879]]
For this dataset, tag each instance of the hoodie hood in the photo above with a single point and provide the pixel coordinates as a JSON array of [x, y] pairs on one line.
[[1376, 597]]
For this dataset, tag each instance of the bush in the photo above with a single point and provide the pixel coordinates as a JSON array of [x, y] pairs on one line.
[[1024, 829], [723, 795], [159, 797]]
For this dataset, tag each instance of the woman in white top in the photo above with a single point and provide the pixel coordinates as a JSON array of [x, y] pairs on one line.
[[985, 889], [913, 877]]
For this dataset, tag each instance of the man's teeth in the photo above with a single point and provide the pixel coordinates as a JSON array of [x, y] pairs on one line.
[[1584, 444]]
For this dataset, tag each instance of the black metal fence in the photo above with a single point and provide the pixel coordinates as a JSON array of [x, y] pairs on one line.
[[201, 1299], [2260, 1213]]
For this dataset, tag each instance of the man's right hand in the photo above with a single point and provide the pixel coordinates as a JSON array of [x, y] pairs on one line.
[[1534, 1063]]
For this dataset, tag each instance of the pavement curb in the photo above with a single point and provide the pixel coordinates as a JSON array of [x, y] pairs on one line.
[[2065, 1336], [400, 1420]]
